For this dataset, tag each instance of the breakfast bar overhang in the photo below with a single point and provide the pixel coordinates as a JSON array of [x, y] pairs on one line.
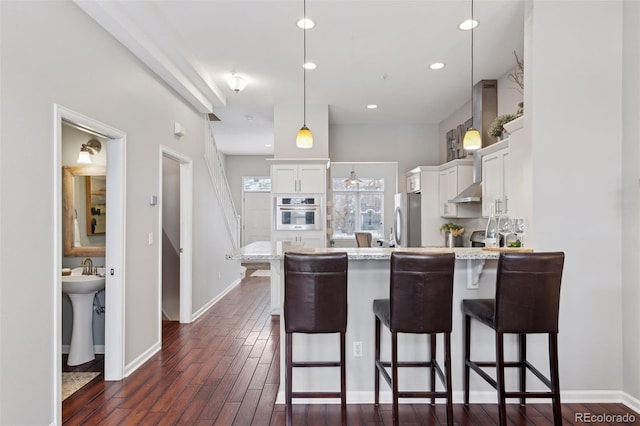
[[368, 279]]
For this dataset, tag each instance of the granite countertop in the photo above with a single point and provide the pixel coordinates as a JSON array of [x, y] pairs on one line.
[[265, 251]]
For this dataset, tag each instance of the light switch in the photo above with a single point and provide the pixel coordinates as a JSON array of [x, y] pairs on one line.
[[150, 238], [153, 200]]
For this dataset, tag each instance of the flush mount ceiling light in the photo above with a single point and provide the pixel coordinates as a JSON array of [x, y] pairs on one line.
[[372, 106], [352, 179], [92, 147], [304, 139], [306, 23], [309, 66], [237, 83], [472, 139], [437, 66], [467, 25]]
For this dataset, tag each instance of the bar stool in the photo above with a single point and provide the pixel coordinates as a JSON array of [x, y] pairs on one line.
[[315, 301], [421, 296], [527, 301]]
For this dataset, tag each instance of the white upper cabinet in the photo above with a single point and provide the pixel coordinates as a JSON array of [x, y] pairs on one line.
[[455, 176], [298, 178], [495, 179]]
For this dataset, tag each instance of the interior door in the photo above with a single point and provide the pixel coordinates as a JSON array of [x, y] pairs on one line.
[[256, 217]]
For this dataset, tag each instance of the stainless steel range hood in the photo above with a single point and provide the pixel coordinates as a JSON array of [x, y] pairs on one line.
[[485, 110]]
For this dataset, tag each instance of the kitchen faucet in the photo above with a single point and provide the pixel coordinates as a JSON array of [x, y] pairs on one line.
[[87, 266]]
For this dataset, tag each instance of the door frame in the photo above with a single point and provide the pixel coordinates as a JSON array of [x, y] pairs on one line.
[[115, 246], [243, 215], [186, 234]]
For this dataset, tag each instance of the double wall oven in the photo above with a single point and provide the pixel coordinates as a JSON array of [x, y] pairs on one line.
[[298, 213]]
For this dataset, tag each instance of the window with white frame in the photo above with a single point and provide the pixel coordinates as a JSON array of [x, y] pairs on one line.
[[358, 208]]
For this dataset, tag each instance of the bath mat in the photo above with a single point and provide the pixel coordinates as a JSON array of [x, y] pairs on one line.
[[261, 273], [72, 382]]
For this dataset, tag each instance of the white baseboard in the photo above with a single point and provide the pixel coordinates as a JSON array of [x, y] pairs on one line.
[[97, 349], [477, 397], [212, 302], [144, 357]]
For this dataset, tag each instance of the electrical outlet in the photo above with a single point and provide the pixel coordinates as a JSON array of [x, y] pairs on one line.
[[357, 348]]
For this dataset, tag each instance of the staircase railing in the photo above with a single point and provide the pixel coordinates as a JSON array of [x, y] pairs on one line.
[[221, 185]]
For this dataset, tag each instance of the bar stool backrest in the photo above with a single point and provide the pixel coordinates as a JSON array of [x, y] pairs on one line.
[[315, 292], [363, 239], [528, 292], [421, 293]]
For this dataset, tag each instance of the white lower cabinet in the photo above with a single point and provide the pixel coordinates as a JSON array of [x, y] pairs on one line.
[[308, 239]]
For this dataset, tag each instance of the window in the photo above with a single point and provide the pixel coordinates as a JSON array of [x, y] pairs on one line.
[[256, 183], [358, 208]]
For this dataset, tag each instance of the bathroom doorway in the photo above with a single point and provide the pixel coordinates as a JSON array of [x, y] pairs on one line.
[[175, 235], [114, 261]]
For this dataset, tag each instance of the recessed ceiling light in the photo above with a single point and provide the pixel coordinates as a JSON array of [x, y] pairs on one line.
[[268, 145], [437, 66], [372, 106], [468, 24], [309, 66], [306, 23]]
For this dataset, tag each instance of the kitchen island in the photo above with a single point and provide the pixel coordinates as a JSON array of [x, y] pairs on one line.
[[368, 279]]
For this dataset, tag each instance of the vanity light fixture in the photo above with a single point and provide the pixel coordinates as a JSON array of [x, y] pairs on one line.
[[304, 139], [472, 139], [237, 83], [92, 147]]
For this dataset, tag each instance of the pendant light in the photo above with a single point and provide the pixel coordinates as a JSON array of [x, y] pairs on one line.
[[304, 138], [472, 139], [353, 178]]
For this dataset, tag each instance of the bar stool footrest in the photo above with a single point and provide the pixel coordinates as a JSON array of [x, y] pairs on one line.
[[316, 364], [316, 395]]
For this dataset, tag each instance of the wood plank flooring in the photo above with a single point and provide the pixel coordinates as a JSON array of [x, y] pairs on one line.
[[224, 370]]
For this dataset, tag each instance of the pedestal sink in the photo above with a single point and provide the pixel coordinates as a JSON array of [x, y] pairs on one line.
[[81, 289]]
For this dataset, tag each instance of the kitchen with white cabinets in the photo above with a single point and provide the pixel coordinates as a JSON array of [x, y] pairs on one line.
[[298, 198]]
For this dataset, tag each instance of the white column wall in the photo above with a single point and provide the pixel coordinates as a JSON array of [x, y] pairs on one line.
[[573, 108], [631, 198]]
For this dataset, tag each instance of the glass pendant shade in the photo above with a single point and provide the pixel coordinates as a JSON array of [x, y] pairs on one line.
[[237, 83], [304, 138], [84, 158], [472, 139]]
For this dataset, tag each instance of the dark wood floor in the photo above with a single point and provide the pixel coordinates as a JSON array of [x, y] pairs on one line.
[[224, 370]]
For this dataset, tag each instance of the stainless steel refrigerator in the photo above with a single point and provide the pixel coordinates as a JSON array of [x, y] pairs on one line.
[[414, 220]]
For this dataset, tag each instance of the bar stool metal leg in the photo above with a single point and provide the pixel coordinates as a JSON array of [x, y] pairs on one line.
[[522, 344], [376, 361], [433, 368], [288, 379], [343, 377], [555, 377], [447, 368], [394, 369], [467, 356], [502, 409]]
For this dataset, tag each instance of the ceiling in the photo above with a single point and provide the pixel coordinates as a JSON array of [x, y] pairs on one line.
[[367, 52]]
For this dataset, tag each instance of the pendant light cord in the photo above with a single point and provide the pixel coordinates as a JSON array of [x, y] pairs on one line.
[[472, 25], [304, 61]]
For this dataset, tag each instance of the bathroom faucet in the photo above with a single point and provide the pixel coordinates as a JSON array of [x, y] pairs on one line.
[[87, 266]]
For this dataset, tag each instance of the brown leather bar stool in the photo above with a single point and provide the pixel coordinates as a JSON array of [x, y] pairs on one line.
[[527, 301], [421, 295], [315, 301]]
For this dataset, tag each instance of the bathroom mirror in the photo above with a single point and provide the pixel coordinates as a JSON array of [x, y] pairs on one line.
[[78, 191]]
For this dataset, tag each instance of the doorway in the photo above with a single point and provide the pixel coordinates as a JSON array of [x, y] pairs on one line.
[[114, 245], [175, 235], [256, 209]]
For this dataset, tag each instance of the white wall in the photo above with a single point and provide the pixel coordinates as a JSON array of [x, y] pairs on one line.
[[409, 145], [287, 120], [81, 67], [573, 113], [631, 198]]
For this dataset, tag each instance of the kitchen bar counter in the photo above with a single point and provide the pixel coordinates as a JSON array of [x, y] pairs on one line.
[[368, 279], [267, 251]]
